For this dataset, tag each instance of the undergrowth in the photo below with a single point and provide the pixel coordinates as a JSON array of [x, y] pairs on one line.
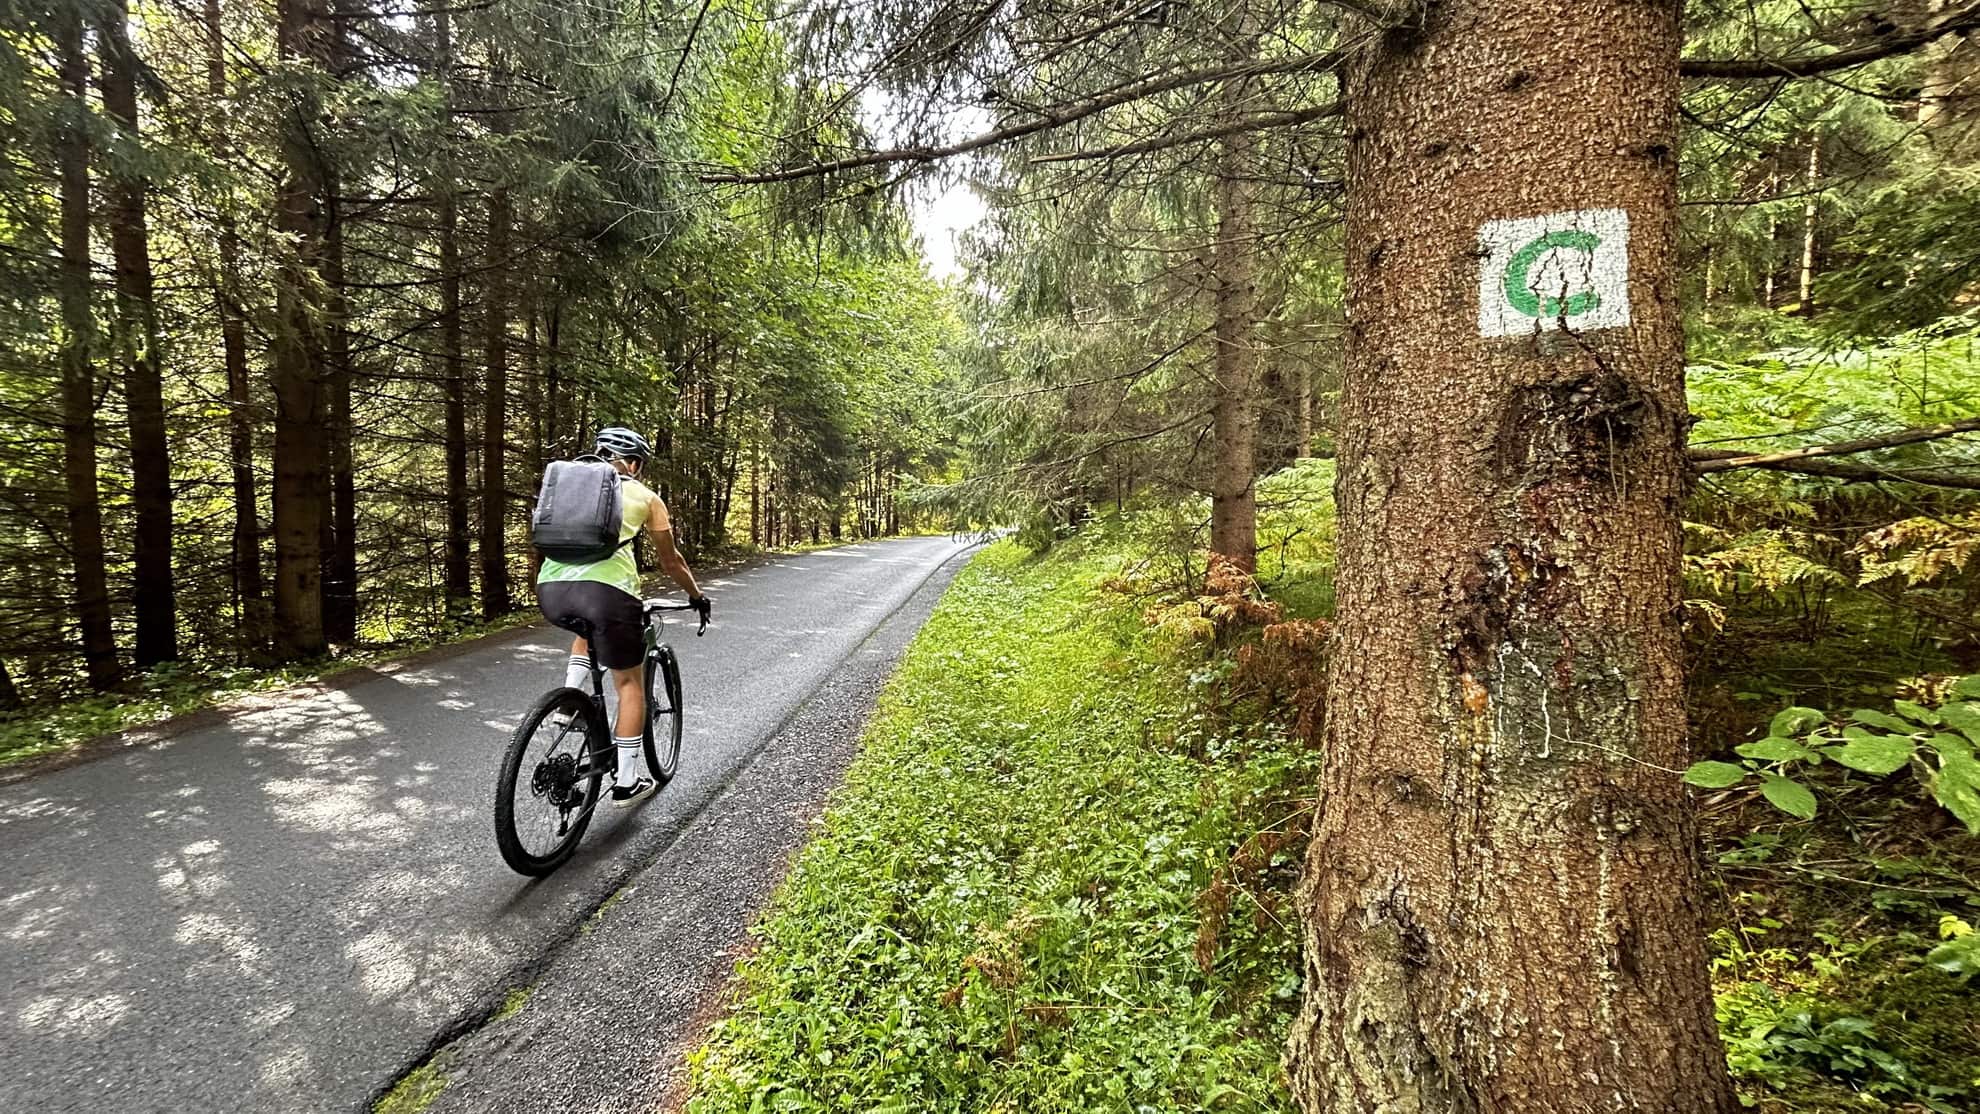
[[1055, 879]]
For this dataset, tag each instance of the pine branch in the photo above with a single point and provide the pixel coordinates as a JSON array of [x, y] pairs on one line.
[[1959, 19], [1807, 460], [1048, 118], [1866, 473], [1712, 461], [1259, 122]]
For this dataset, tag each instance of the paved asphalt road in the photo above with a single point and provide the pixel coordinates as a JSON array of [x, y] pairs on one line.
[[289, 908]]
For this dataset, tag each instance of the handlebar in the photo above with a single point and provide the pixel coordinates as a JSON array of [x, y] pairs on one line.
[[652, 606]]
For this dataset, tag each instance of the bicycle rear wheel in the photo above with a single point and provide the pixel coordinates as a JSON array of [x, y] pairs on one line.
[[548, 785], [663, 720]]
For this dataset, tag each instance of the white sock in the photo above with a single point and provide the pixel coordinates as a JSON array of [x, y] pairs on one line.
[[629, 761], [577, 675]]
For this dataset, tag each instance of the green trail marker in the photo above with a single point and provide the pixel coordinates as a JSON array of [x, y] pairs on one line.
[[1562, 269]]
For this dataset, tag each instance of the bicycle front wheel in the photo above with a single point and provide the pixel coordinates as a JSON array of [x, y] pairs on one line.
[[548, 785], [663, 720]]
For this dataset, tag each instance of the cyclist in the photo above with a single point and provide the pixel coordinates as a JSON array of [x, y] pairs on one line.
[[605, 594]]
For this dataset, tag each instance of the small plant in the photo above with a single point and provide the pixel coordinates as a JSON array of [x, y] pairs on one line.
[[1935, 743]]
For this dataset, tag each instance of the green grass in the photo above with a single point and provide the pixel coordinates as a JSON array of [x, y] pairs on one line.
[[512, 1003], [1024, 898], [415, 1092]]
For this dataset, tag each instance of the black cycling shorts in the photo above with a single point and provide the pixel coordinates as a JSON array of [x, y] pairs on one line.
[[617, 642]]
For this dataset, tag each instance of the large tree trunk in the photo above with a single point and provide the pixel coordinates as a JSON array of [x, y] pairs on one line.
[[139, 351], [85, 512], [340, 589], [1233, 494], [456, 576], [340, 593], [297, 362], [1500, 904], [240, 408], [495, 413]]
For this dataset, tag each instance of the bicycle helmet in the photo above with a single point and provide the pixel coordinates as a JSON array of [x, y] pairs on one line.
[[615, 441]]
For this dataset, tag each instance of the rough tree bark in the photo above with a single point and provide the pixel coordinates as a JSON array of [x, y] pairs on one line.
[[254, 613], [139, 351], [340, 589], [456, 576], [1500, 902], [297, 361], [1233, 490], [85, 511]]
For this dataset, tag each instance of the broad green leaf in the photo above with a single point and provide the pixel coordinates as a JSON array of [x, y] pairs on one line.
[[1968, 686], [1773, 750], [1917, 713], [1959, 957], [1963, 717], [1957, 787], [1714, 775], [1789, 796], [1951, 746], [1874, 756], [1879, 719], [1794, 721]]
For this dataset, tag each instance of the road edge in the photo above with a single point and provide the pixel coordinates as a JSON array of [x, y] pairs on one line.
[[450, 1043]]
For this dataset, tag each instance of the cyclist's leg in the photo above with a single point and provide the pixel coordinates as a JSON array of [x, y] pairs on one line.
[[562, 603], [631, 720]]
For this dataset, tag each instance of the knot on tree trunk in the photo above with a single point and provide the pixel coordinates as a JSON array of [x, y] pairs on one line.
[[1577, 429]]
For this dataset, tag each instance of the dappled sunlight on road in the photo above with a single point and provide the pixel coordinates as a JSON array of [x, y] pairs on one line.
[[288, 904], [76, 1016]]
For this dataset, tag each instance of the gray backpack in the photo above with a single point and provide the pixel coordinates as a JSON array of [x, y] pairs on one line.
[[578, 516]]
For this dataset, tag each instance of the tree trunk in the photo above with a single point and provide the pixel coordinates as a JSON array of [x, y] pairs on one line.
[[138, 349], [297, 361], [495, 414], [340, 589], [1233, 496], [240, 407], [457, 579], [85, 512], [1948, 64], [1500, 903], [554, 441], [340, 594], [1808, 214]]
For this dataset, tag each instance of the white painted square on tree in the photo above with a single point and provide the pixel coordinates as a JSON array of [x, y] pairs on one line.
[[1537, 273]]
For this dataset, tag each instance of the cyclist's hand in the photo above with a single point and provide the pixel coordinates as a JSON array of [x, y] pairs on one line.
[[702, 607]]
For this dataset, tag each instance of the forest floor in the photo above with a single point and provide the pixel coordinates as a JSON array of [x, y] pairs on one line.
[[1058, 878], [160, 702]]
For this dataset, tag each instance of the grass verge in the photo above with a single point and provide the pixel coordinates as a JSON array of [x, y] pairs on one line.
[[1005, 909]]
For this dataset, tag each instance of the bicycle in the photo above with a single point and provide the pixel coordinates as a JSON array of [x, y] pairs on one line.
[[564, 784]]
